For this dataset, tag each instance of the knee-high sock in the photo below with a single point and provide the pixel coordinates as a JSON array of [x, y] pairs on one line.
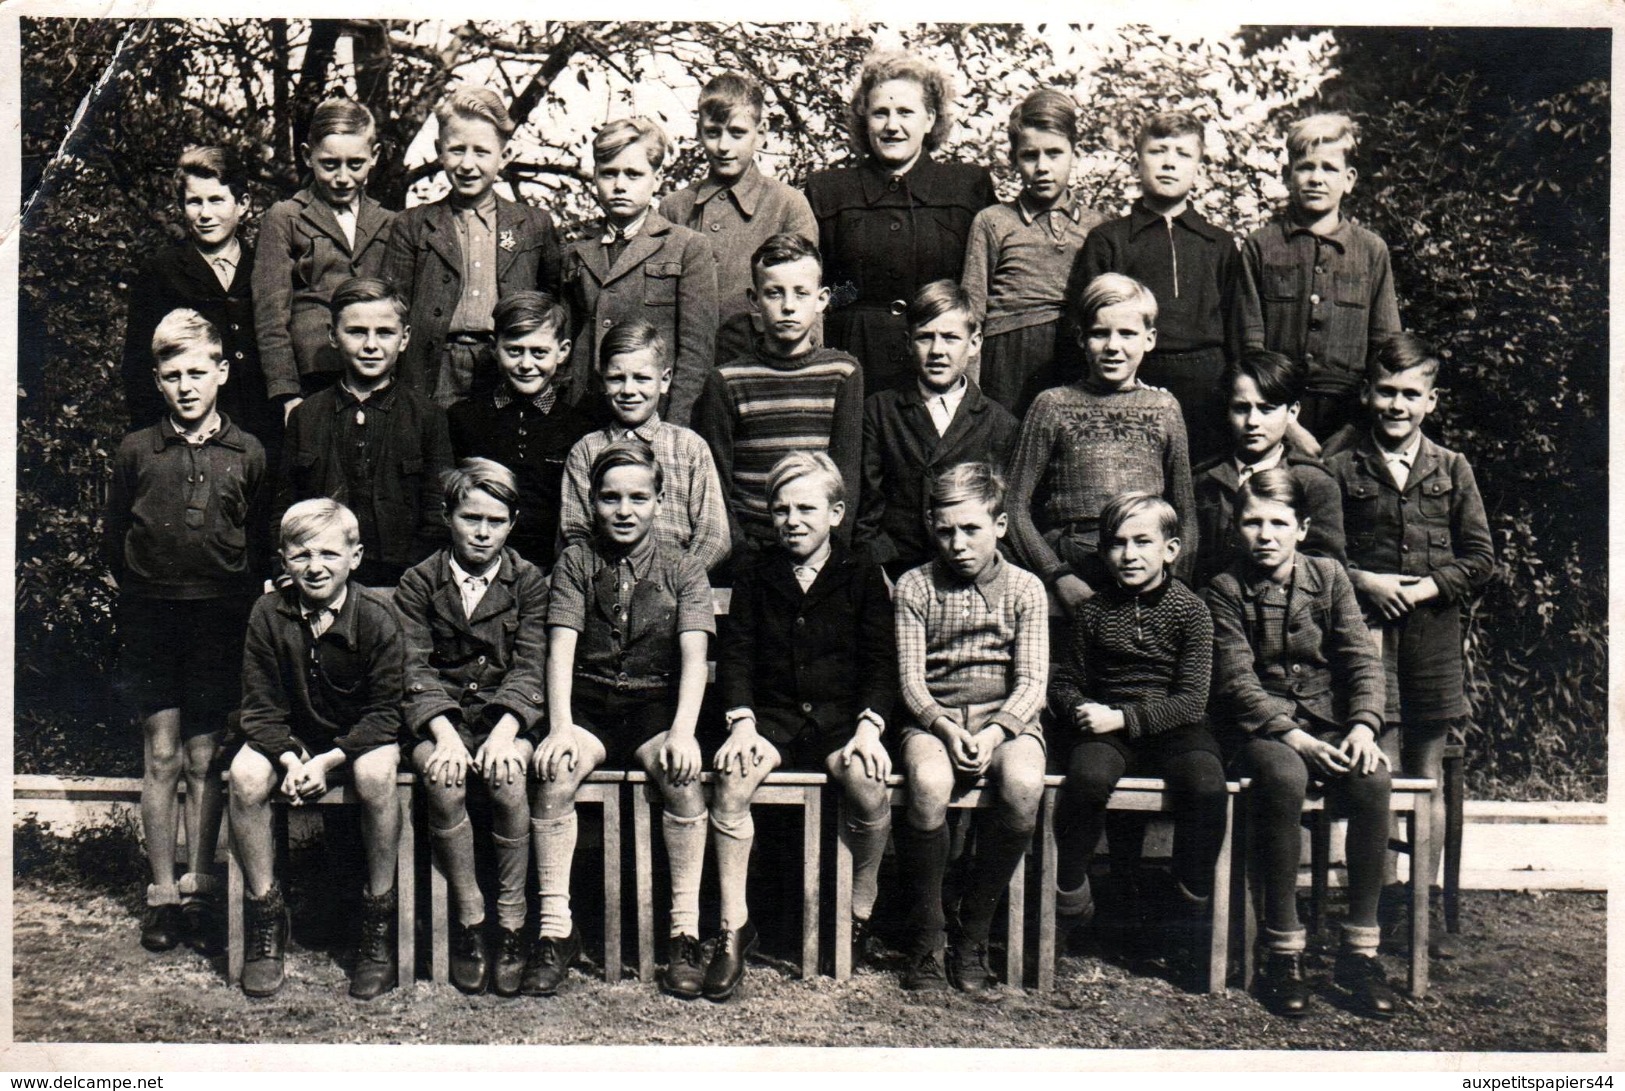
[[685, 850], [923, 858], [553, 841], [998, 849], [868, 843], [731, 839], [455, 847], [513, 861]]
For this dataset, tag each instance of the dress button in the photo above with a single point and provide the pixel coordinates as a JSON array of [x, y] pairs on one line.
[[1320, 270], [1297, 668], [473, 686], [482, 659], [897, 227], [608, 322], [239, 356], [801, 621], [1315, 298], [716, 227], [806, 706]]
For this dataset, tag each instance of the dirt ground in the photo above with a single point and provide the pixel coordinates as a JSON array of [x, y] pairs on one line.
[[1531, 977]]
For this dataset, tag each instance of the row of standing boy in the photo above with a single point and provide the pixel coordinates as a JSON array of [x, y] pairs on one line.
[[1093, 440]]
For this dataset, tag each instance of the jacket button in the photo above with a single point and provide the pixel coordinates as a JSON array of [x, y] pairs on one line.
[[801, 621], [1405, 547], [239, 356], [445, 278], [897, 227], [472, 686], [437, 312], [608, 322], [806, 706], [1297, 668], [482, 659], [716, 227]]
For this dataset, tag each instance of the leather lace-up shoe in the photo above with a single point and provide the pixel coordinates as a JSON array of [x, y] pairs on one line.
[[161, 927], [1368, 986], [470, 957], [375, 972], [265, 942], [923, 973], [507, 972], [968, 968], [727, 966], [550, 961], [684, 976], [1284, 989]]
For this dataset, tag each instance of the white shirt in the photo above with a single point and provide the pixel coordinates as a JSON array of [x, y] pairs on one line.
[[1400, 462], [942, 407], [806, 573], [473, 587], [224, 264], [321, 618], [611, 232], [346, 218], [1244, 470]]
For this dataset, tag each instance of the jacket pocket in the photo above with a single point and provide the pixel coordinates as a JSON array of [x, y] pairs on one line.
[[660, 283], [1282, 282], [1436, 497], [1351, 290]]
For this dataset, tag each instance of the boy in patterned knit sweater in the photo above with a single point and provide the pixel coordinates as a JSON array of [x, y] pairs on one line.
[[788, 394], [1130, 696], [973, 662], [1082, 444]]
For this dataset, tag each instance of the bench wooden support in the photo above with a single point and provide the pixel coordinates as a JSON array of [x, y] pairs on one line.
[[405, 887]]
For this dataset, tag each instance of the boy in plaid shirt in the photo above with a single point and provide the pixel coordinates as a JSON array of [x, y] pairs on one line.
[[973, 663]]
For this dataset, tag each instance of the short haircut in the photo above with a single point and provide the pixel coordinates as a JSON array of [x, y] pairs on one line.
[[614, 137], [1318, 129], [626, 338], [475, 103], [1277, 484], [782, 249], [937, 299], [214, 163], [364, 290], [1401, 352], [492, 478], [1111, 290], [727, 93], [1171, 123], [814, 464], [630, 451], [967, 481], [878, 68], [182, 330], [308, 518], [1126, 505], [339, 116], [1279, 377], [1049, 110], [519, 313]]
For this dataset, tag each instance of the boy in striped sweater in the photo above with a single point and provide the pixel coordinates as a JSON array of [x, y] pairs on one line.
[[789, 394]]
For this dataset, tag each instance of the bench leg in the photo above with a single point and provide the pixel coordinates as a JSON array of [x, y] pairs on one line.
[[1048, 873], [843, 894], [812, 827], [1455, 793], [643, 852], [612, 886], [1015, 961], [406, 902], [439, 922], [234, 912], [1218, 955], [1249, 914], [1421, 843]]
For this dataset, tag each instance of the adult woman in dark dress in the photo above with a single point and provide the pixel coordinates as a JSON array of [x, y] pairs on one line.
[[897, 221]]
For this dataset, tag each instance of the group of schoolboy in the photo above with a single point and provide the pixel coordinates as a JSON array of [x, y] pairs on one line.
[[517, 589]]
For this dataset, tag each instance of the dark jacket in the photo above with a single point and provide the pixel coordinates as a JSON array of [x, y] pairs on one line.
[[178, 276], [667, 276], [534, 447], [1216, 486], [187, 522], [413, 452], [425, 260], [808, 663], [902, 453], [1436, 527], [341, 690], [883, 239], [1327, 671], [303, 256], [473, 669]]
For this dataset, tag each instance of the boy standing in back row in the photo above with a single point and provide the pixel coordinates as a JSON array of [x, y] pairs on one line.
[[1315, 285], [736, 207]]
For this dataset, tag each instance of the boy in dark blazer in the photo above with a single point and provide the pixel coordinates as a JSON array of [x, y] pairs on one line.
[[208, 272], [454, 258], [913, 433], [806, 667], [638, 265]]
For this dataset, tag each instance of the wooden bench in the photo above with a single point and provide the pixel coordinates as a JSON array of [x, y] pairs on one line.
[[1406, 798], [804, 790], [602, 787], [405, 887]]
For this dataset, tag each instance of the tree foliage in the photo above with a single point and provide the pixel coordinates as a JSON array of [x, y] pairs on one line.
[[1489, 185]]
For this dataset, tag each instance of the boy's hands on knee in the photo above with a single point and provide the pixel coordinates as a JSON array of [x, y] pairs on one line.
[[1097, 719], [1393, 595], [1072, 592], [557, 754], [866, 747], [449, 761], [1361, 751], [499, 759], [680, 759], [744, 747], [1322, 757]]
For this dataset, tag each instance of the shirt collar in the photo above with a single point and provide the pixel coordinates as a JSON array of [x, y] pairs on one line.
[[483, 210], [1141, 216], [203, 436], [746, 190], [990, 584], [640, 556], [1337, 236], [1406, 454], [957, 393], [1066, 204], [231, 254], [460, 575], [1268, 462], [645, 431], [815, 566], [630, 231], [378, 399], [543, 400], [334, 607]]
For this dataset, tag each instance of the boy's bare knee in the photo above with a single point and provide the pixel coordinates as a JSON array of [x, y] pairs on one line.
[[686, 801], [446, 803]]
